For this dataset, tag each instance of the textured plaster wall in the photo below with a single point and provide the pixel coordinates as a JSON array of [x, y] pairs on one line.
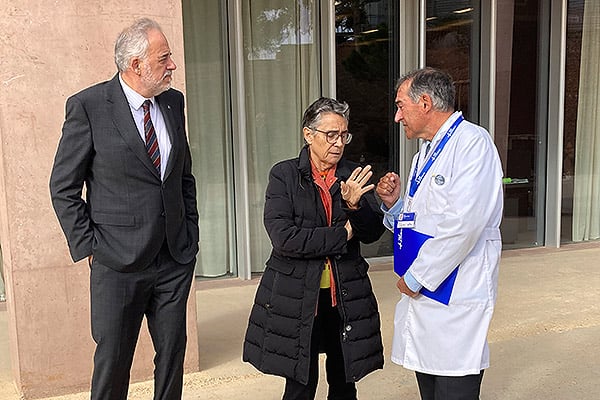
[[48, 51]]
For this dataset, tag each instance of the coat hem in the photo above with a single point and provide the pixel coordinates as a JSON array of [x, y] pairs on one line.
[[417, 368]]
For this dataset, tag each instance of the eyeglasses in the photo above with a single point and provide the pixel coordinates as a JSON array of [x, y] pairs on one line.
[[332, 136]]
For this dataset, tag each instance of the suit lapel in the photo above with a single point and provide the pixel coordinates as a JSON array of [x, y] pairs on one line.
[[166, 108], [125, 124]]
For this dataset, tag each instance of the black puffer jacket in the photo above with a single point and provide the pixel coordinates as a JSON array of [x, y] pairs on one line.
[[279, 330]]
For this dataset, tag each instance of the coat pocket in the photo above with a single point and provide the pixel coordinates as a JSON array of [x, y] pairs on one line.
[[362, 267], [281, 264], [288, 282], [113, 219]]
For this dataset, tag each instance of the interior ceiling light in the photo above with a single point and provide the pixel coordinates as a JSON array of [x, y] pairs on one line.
[[463, 10]]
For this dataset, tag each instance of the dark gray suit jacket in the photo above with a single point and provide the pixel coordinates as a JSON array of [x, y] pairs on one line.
[[127, 211]]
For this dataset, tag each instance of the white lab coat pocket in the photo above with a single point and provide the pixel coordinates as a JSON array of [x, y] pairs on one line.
[[437, 184]]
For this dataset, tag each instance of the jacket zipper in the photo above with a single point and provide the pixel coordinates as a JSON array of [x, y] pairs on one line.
[[339, 299]]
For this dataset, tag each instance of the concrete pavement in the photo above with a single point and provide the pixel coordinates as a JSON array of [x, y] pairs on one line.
[[544, 338]]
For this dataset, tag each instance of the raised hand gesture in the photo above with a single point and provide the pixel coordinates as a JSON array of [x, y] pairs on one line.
[[356, 186]]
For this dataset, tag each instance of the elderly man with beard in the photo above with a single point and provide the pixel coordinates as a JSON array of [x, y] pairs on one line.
[[137, 225]]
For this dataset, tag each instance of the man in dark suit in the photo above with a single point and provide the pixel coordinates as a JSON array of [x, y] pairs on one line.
[[138, 221]]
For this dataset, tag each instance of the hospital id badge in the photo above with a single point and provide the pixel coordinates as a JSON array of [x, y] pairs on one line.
[[406, 220]]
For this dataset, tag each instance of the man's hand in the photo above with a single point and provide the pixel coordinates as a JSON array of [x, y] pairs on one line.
[[356, 186], [401, 285], [388, 189]]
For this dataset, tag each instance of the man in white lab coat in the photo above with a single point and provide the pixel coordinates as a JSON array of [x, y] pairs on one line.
[[454, 196]]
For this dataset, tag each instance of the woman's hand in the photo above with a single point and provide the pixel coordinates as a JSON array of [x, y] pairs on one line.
[[356, 186], [348, 227]]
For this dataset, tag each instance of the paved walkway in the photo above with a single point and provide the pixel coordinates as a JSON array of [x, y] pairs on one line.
[[545, 336]]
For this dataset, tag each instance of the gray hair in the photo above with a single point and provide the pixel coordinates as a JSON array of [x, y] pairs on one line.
[[324, 105], [433, 82], [133, 42]]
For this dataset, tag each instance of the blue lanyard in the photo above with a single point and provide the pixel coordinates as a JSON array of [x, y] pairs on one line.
[[415, 181]]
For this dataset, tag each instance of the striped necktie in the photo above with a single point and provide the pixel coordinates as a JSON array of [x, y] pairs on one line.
[[151, 142]]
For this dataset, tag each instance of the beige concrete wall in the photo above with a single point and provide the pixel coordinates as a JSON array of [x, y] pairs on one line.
[[50, 50]]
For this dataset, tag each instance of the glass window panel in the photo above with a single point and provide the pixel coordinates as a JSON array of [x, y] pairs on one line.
[[365, 81], [209, 136], [520, 123], [282, 77], [451, 40], [581, 147]]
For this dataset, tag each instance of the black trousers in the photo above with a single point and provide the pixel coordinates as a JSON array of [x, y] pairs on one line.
[[326, 337], [434, 387], [119, 302]]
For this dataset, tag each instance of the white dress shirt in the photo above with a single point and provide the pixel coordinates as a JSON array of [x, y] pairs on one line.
[[135, 101]]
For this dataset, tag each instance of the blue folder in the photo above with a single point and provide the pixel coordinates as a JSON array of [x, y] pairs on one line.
[[407, 243]]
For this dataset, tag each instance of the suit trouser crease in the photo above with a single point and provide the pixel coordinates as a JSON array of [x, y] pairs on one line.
[[119, 301]]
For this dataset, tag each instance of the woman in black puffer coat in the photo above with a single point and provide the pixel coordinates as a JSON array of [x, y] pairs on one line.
[[315, 294]]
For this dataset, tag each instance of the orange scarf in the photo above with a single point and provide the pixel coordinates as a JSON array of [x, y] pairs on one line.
[[324, 181]]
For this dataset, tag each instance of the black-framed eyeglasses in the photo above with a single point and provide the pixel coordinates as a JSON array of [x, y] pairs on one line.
[[332, 136]]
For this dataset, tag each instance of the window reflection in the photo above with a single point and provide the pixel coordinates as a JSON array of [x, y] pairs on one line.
[[449, 41], [365, 81], [519, 122], [275, 28]]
